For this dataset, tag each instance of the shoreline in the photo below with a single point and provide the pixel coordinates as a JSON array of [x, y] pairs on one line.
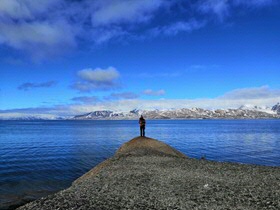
[[146, 173]]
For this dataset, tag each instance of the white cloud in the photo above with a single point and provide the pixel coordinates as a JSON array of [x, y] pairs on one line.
[[218, 7], [224, 8], [124, 11], [254, 3], [14, 9], [177, 27], [150, 92], [98, 79], [123, 95], [263, 92], [49, 27], [34, 27], [30, 85], [203, 67], [157, 75], [99, 75], [41, 35], [86, 99], [103, 35], [25, 8]]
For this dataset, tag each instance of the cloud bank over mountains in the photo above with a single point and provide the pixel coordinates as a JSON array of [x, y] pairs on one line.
[[126, 101], [263, 92], [49, 28]]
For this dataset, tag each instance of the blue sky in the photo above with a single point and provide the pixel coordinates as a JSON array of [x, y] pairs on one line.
[[66, 57]]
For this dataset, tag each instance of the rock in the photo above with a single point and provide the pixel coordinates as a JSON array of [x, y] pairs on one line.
[[276, 108]]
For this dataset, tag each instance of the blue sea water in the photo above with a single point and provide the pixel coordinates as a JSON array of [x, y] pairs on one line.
[[41, 157]]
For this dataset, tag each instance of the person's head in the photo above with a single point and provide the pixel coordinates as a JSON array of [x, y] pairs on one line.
[[141, 117]]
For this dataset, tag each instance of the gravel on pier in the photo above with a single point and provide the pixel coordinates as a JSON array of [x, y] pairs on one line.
[[156, 176]]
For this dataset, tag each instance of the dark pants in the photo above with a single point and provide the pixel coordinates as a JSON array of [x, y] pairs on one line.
[[142, 130]]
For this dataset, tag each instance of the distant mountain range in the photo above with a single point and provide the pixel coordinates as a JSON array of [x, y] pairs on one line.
[[33, 117], [243, 112]]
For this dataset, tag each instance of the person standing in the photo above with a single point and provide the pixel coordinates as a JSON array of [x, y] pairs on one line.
[[142, 123]]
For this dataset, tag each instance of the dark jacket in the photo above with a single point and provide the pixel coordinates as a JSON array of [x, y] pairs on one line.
[[142, 122]]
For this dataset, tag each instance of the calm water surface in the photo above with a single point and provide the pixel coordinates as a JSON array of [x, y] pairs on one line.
[[41, 157]]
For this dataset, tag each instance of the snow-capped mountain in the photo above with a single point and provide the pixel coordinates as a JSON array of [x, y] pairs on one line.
[[29, 117], [244, 112], [276, 108], [257, 108], [95, 115]]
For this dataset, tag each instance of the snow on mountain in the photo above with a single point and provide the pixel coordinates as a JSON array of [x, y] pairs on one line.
[[257, 108], [95, 115], [276, 108], [19, 116], [243, 112]]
